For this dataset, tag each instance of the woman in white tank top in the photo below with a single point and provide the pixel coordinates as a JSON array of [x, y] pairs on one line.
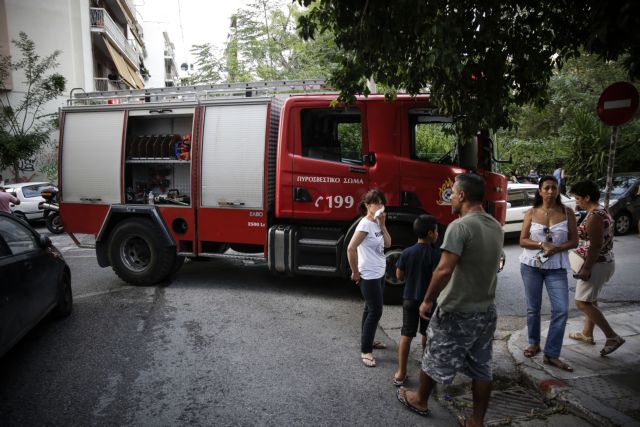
[[548, 232]]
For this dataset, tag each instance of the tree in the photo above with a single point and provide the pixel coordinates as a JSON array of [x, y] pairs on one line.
[[477, 58], [24, 129], [208, 65], [263, 45], [567, 128]]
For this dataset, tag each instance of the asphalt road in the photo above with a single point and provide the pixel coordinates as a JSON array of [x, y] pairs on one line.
[[226, 344]]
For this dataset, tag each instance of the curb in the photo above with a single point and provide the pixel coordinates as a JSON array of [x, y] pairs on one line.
[[552, 388]]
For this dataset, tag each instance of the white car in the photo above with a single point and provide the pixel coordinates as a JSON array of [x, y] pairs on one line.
[[29, 195], [520, 199]]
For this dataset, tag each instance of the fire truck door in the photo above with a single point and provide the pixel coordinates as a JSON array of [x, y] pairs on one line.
[[91, 164], [231, 206], [329, 172]]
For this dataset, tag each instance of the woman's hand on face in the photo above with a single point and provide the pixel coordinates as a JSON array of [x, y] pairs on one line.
[[382, 220]]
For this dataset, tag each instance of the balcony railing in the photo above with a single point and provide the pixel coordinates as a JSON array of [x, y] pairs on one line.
[[101, 21], [103, 84]]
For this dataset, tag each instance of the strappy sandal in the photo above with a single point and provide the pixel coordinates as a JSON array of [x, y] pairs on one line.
[[610, 348], [368, 360], [531, 351], [557, 363], [579, 336], [400, 382]]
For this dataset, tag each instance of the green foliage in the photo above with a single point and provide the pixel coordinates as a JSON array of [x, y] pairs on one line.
[[433, 141], [48, 161], [350, 137], [568, 129], [478, 59], [208, 65], [23, 127], [263, 45]]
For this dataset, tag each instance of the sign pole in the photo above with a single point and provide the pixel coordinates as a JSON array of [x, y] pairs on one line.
[[617, 105], [612, 160]]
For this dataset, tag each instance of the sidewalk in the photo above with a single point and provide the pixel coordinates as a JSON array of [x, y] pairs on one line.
[[604, 390]]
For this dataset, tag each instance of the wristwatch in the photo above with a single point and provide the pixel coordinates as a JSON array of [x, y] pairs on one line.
[[540, 244]]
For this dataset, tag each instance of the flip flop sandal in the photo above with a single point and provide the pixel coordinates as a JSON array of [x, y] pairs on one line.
[[579, 336], [367, 361], [401, 382], [529, 352], [557, 363], [401, 394], [610, 348], [379, 345]]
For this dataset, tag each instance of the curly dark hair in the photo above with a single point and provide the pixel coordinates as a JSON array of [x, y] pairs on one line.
[[586, 188]]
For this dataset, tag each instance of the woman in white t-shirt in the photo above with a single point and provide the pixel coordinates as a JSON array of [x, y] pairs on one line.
[[368, 265]]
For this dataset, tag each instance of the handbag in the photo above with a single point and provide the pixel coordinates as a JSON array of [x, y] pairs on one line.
[[576, 261]]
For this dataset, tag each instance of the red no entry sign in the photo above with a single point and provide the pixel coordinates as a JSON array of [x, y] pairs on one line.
[[618, 103]]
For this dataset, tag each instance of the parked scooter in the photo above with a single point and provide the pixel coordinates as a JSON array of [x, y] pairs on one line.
[[51, 210]]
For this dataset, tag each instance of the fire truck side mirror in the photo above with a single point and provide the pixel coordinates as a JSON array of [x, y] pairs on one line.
[[369, 159]]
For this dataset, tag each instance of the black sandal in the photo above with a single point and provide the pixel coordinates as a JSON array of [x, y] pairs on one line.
[[610, 348]]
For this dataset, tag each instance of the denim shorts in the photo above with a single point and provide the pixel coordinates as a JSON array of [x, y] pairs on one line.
[[411, 320], [460, 342]]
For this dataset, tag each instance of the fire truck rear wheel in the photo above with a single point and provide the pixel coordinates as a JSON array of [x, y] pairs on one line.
[[137, 254]]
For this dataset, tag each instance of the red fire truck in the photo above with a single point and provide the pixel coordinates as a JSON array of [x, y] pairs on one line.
[[158, 175]]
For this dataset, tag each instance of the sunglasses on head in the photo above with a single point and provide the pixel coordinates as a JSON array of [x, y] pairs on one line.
[[547, 232]]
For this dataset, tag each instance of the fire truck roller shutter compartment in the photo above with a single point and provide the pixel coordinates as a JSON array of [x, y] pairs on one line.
[[232, 167], [91, 157]]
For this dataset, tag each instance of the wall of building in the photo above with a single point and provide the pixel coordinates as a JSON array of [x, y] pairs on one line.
[[51, 25], [154, 61]]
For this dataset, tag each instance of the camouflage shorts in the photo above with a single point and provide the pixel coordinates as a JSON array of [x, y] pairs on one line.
[[460, 342]]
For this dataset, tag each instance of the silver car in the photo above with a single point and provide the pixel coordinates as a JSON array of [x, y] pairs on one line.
[[29, 195]]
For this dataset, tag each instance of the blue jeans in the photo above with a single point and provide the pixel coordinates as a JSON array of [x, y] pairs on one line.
[[372, 293], [558, 290]]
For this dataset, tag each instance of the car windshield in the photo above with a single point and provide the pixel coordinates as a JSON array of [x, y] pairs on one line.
[[34, 190], [620, 184]]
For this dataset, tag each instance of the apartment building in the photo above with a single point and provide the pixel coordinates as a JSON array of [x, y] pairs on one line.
[[101, 43], [161, 58]]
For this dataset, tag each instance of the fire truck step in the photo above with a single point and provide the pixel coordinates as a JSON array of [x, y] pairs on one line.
[[318, 242], [317, 268]]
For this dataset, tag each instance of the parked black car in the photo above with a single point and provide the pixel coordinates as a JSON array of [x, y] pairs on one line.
[[624, 202], [35, 280]]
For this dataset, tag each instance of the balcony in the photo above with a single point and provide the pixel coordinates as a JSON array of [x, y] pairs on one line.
[[103, 84], [102, 22]]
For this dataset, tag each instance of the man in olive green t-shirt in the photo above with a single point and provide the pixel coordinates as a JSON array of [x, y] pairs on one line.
[[460, 334]]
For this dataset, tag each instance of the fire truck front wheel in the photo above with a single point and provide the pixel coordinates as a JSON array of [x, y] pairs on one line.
[[137, 255]]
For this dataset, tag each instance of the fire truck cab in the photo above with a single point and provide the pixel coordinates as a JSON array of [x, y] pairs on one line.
[[158, 175]]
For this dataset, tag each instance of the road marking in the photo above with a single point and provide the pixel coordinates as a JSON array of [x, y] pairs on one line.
[[110, 291]]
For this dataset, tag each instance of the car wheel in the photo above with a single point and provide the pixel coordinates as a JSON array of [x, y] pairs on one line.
[[54, 224], [137, 254], [65, 298], [393, 288], [622, 224]]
